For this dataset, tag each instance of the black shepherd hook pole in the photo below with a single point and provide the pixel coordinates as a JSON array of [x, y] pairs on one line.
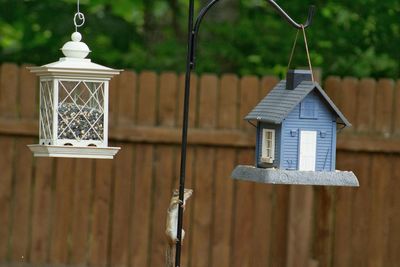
[[193, 30]]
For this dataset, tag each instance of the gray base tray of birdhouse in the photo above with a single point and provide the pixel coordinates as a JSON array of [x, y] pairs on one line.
[[74, 152], [277, 176]]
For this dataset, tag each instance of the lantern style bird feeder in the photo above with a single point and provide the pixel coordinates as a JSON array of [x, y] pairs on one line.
[[74, 105]]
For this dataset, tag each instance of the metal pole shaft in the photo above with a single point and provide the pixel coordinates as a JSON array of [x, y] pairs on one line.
[[184, 131]]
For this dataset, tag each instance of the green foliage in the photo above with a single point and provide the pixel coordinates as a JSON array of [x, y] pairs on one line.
[[358, 38]]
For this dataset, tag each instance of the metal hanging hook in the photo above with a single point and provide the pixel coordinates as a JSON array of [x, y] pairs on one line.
[[204, 10], [80, 16], [311, 12]]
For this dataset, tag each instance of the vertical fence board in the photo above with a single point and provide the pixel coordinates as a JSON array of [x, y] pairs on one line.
[[224, 159], [208, 101], [361, 210], [141, 202], [120, 222], [168, 99], [121, 206], [6, 167], [384, 107], [41, 211], [365, 108], [249, 90], [27, 93], [396, 115], [127, 97], [62, 212], [378, 230], [299, 226], [147, 99], [244, 213], [392, 253], [22, 199], [342, 246], [279, 225], [227, 105], [162, 191], [81, 211], [9, 90], [324, 229], [204, 174], [101, 214], [221, 249], [202, 204], [144, 164], [262, 225]]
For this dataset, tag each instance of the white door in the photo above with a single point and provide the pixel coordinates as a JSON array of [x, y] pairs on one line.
[[308, 150]]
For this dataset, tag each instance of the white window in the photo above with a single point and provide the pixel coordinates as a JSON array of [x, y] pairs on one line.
[[268, 146]]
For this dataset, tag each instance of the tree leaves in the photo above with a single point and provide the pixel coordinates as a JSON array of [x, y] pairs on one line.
[[358, 38]]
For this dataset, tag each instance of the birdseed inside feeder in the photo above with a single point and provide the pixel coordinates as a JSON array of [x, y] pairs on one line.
[[74, 105]]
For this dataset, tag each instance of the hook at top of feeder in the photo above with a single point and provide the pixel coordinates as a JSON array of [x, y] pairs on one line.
[[80, 16]]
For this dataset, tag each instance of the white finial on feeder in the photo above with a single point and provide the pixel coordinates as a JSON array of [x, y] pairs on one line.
[[75, 48]]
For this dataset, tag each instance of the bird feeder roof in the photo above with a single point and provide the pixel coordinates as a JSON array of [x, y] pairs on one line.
[[277, 105], [74, 64], [75, 67]]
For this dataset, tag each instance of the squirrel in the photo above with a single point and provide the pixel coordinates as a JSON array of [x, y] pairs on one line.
[[172, 223]]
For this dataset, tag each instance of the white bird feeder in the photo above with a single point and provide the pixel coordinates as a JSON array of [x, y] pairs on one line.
[[74, 105]]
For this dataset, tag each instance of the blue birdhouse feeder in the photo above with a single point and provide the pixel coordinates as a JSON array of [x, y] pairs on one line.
[[297, 125]]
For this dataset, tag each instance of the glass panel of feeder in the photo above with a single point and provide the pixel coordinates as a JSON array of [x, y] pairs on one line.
[[46, 110], [81, 110]]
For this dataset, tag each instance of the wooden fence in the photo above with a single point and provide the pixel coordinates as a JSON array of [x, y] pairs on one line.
[[69, 212]]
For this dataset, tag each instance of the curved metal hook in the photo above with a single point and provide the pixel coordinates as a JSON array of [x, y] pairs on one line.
[[202, 13], [311, 12], [195, 31]]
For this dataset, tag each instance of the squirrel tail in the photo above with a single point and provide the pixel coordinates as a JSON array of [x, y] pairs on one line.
[[169, 256]]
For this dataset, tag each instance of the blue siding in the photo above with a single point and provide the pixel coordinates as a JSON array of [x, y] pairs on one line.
[[326, 135], [277, 128]]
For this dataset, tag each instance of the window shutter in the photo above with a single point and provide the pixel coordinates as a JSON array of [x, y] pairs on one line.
[[308, 110]]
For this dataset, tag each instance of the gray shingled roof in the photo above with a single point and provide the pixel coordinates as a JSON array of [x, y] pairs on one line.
[[276, 106]]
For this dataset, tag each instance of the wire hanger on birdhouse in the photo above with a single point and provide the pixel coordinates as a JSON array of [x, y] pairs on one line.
[[307, 51]]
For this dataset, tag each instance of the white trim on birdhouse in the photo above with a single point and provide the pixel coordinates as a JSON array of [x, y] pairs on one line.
[[268, 146], [308, 150]]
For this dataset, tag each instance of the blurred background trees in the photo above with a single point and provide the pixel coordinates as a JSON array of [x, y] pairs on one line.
[[358, 38]]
